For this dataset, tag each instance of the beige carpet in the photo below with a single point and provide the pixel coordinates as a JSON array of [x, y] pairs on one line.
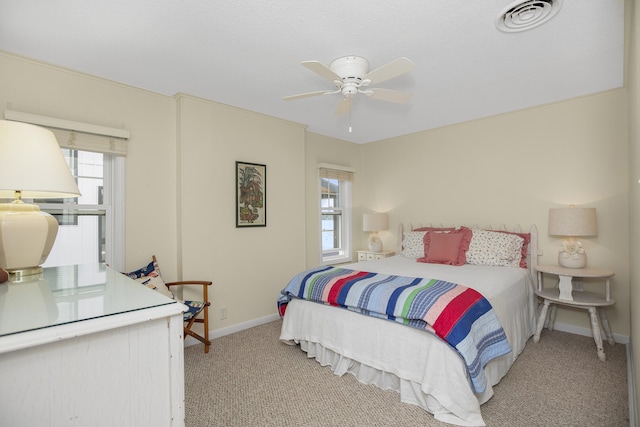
[[250, 378]]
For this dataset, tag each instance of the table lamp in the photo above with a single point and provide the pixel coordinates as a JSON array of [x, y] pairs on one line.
[[572, 222], [374, 222], [31, 166]]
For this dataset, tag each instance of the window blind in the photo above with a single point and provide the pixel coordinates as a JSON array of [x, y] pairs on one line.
[[89, 142], [342, 173], [77, 135]]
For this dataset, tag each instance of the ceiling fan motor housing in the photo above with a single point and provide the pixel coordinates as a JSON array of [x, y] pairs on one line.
[[350, 66]]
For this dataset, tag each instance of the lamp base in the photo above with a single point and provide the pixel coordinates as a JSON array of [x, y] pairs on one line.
[[26, 237], [375, 246], [567, 260], [375, 243], [26, 274]]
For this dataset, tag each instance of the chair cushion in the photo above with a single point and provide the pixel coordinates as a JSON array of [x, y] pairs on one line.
[[149, 276], [195, 307]]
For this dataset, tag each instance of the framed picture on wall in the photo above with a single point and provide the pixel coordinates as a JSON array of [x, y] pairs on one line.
[[251, 195]]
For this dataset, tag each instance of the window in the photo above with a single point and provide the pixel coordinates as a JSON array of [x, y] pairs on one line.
[[89, 231], [335, 214]]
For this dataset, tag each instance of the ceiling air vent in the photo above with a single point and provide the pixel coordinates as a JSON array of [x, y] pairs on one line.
[[525, 15]]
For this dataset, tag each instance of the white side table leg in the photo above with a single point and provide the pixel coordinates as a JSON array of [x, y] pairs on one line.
[[605, 326], [552, 317], [541, 319], [597, 337]]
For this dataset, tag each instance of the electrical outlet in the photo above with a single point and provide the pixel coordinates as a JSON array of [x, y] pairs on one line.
[[223, 313]]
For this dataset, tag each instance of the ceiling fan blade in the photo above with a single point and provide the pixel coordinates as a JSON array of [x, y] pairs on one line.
[[344, 106], [308, 94], [321, 70], [388, 95], [393, 69]]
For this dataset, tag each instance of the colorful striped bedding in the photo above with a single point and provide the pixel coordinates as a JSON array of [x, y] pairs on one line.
[[459, 315]]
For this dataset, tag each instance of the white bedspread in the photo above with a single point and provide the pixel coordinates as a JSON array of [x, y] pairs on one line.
[[423, 368]]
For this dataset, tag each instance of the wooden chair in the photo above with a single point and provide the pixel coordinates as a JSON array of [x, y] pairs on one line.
[[198, 311], [191, 316]]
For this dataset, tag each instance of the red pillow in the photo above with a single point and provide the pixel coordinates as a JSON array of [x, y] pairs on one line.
[[525, 245], [447, 248]]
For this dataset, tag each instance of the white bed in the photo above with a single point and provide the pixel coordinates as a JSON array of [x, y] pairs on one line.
[[420, 366]]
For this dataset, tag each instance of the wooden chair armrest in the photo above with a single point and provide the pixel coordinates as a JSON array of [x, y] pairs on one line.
[[190, 282]]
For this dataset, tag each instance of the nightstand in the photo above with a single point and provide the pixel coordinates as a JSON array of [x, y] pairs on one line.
[[369, 255], [571, 294]]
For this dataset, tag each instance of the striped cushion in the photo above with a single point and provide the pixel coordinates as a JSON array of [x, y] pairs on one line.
[[195, 307]]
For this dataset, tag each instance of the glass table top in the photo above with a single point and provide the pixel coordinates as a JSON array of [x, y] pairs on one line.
[[69, 294]]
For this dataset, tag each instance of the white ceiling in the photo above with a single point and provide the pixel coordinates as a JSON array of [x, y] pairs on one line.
[[247, 53]]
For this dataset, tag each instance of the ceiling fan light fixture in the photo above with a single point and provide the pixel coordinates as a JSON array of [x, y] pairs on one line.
[[524, 15], [350, 75]]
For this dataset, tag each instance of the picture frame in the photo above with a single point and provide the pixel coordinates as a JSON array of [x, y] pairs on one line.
[[251, 195]]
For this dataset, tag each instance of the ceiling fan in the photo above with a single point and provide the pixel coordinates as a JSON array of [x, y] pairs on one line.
[[351, 75]]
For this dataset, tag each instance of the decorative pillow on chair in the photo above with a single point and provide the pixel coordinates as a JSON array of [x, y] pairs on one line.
[[194, 308], [150, 277]]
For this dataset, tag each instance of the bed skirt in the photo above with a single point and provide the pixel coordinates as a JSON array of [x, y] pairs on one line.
[[423, 369]]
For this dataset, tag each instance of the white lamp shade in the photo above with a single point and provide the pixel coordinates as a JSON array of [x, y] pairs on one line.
[[573, 222], [31, 162], [374, 222]]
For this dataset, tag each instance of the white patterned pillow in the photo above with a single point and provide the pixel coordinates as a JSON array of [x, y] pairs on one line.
[[493, 248], [413, 244], [149, 276]]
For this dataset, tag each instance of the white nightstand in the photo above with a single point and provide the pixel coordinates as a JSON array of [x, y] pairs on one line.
[[571, 294], [369, 255]]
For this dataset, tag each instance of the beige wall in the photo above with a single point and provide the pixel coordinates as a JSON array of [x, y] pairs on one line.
[[633, 62], [510, 169], [248, 266]]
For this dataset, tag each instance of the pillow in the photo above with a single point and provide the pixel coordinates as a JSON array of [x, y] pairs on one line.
[[447, 248], [495, 248], [413, 244], [149, 276], [525, 245]]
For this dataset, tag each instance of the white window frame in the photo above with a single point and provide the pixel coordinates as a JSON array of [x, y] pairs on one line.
[[344, 210], [113, 207]]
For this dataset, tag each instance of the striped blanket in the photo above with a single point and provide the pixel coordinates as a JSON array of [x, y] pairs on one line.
[[459, 315]]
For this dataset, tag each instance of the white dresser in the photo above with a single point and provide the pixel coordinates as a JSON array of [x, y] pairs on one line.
[[84, 345]]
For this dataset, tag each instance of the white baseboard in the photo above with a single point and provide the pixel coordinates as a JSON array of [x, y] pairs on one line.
[[234, 328], [577, 330]]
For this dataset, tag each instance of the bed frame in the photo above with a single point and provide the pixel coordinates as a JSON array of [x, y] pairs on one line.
[[532, 250]]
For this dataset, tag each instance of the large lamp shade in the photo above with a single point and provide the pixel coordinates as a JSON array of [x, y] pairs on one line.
[[31, 166], [572, 222]]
